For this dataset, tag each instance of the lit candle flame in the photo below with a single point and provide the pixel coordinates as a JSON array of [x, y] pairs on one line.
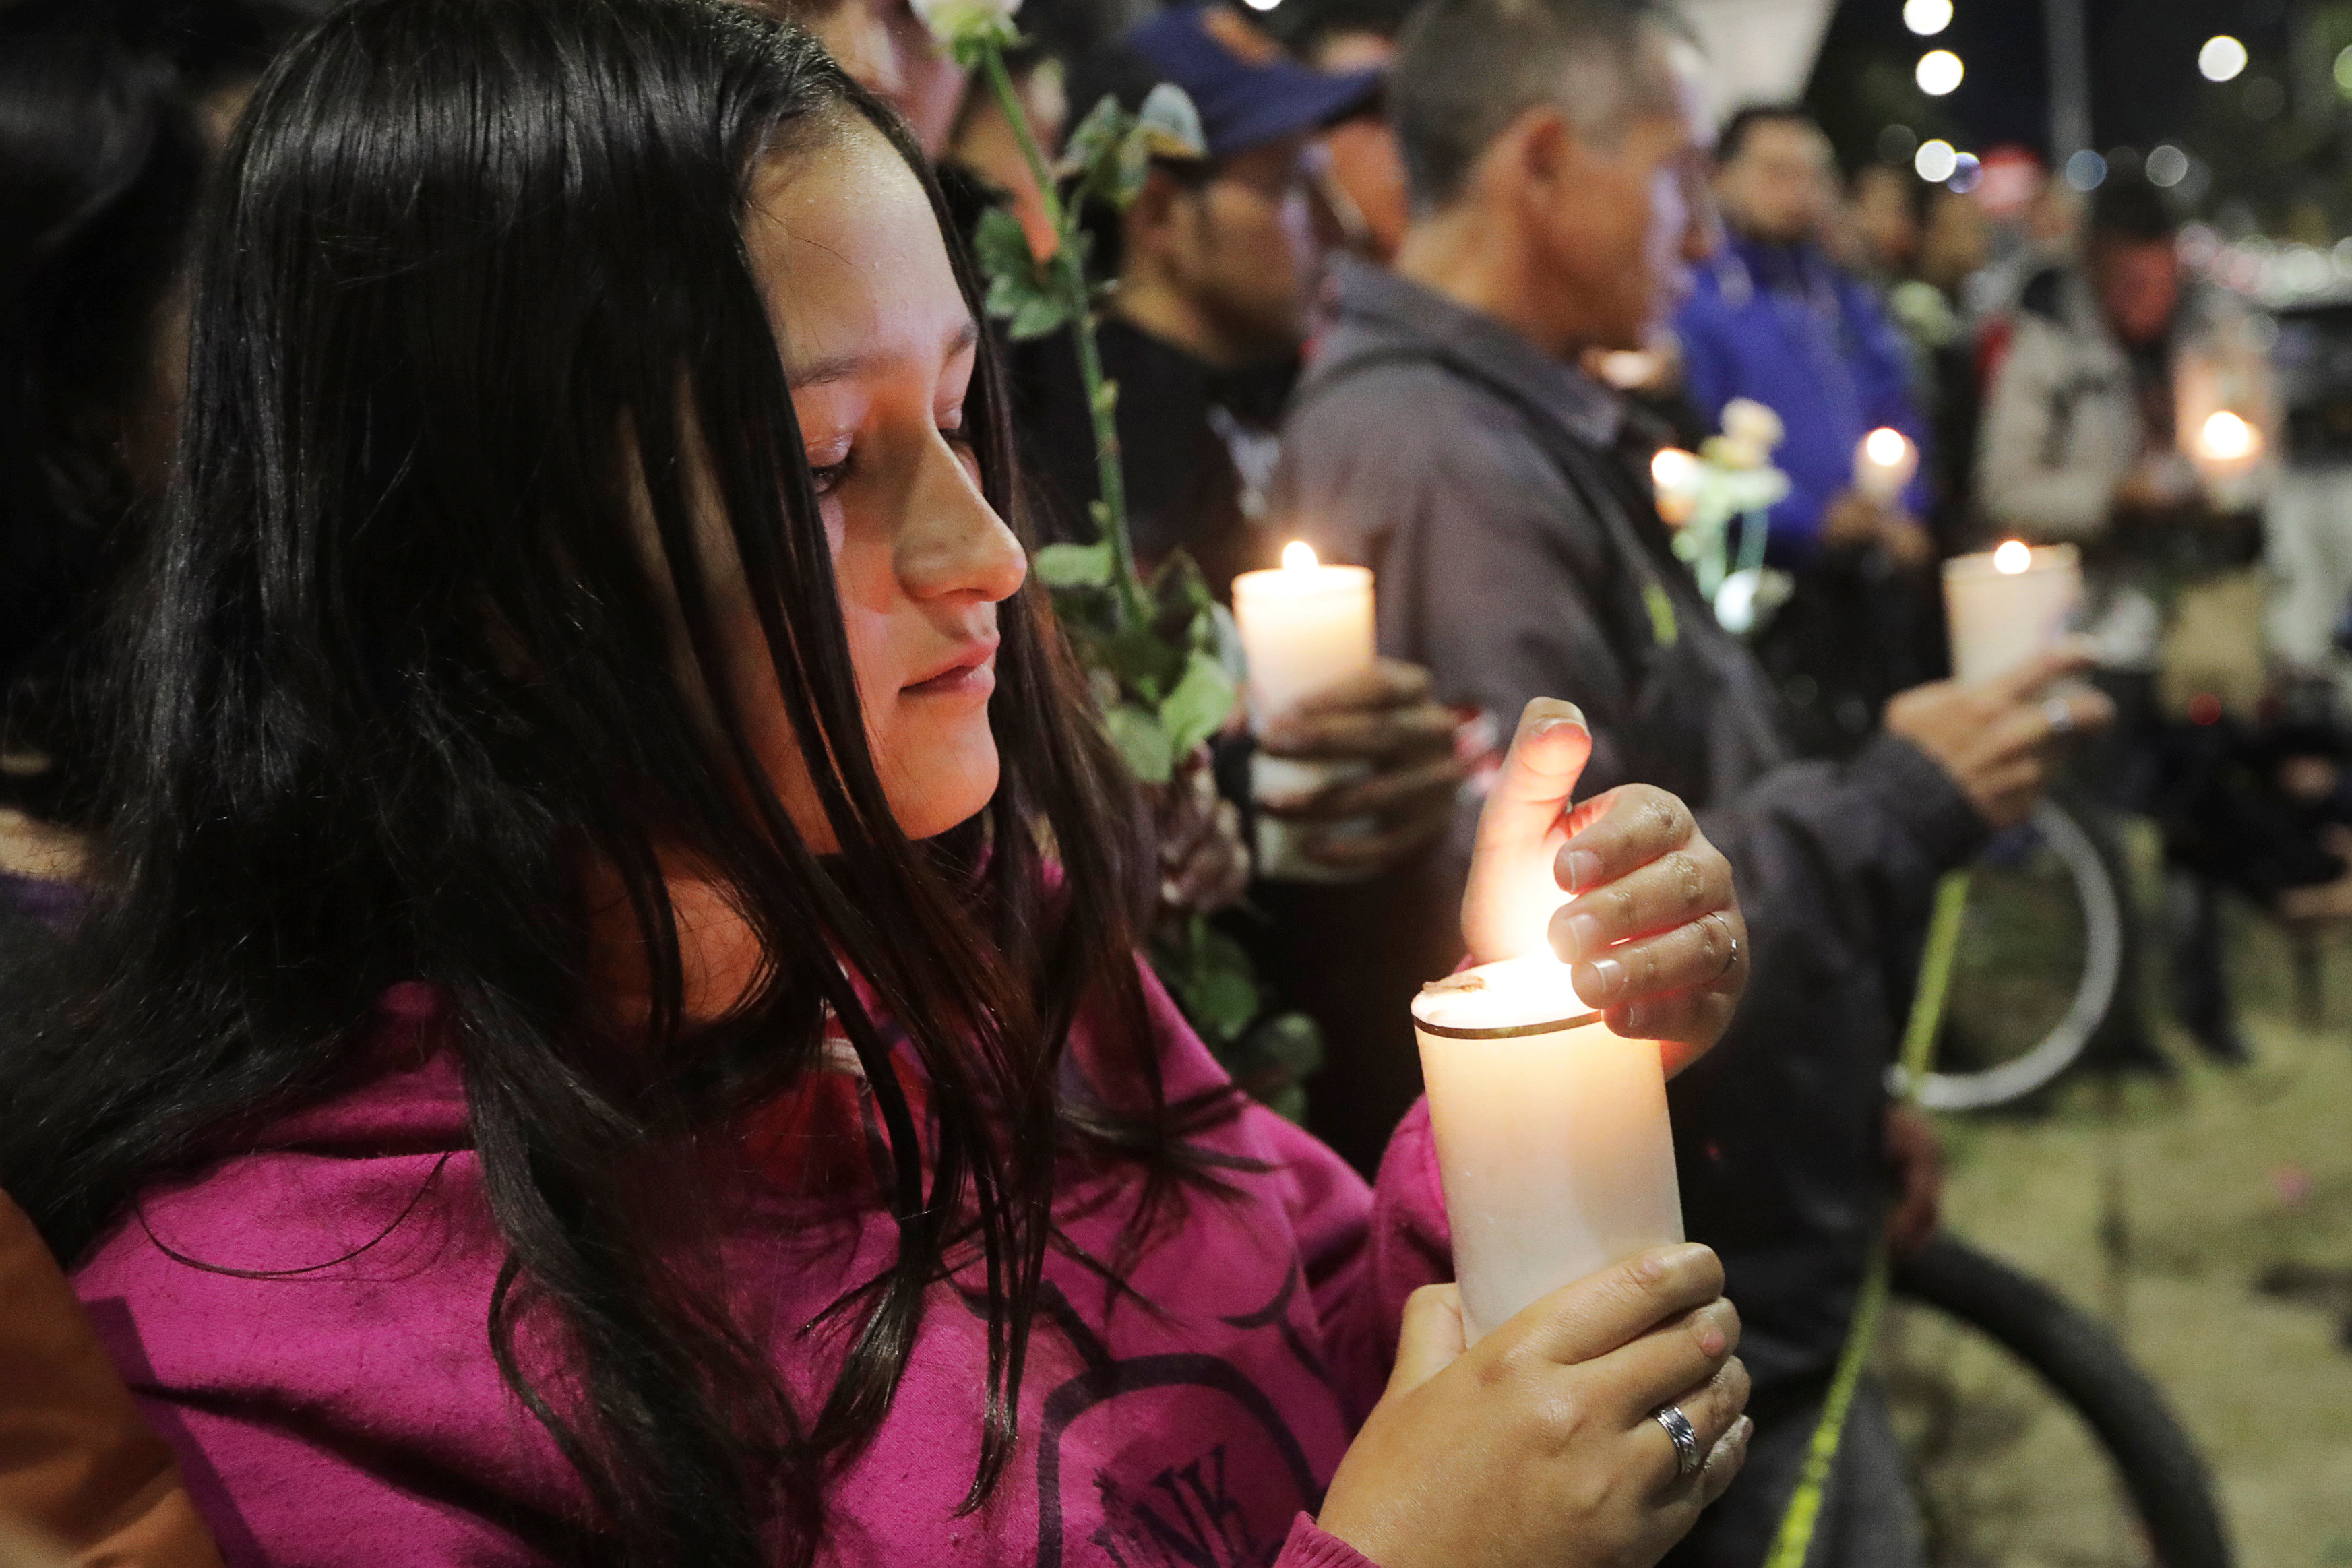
[[1886, 447], [2012, 557], [1672, 468], [1298, 556], [2227, 437]]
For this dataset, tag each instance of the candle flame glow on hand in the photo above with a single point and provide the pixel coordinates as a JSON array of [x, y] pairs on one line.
[[1672, 469], [2227, 437], [1298, 556], [2012, 557], [1886, 447]]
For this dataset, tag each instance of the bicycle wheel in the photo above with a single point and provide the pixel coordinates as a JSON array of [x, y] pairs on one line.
[[1972, 1359], [2040, 963]]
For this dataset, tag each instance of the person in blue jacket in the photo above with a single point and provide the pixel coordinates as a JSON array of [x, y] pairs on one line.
[[1771, 317]]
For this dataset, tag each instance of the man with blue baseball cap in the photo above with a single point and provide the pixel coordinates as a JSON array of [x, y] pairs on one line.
[[1217, 261]]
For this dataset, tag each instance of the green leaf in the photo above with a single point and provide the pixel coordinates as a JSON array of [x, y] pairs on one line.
[[1144, 666], [1002, 247], [1037, 316], [1290, 1042], [1141, 743], [1198, 706], [1074, 565], [1103, 126], [1121, 177], [1223, 1003]]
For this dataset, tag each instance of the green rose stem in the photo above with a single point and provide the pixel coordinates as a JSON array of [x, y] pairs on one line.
[[1102, 398]]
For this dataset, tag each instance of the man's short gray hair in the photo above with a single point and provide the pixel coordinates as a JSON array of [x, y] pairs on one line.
[[1466, 68]]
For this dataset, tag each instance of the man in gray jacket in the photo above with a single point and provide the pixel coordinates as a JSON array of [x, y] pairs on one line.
[[1446, 438], [2132, 414]]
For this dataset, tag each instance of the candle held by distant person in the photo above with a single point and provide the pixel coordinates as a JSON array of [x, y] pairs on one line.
[[1552, 1140], [1304, 627], [2008, 605], [1884, 462]]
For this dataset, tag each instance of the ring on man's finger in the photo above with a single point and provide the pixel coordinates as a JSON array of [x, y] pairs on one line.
[[1731, 954], [1687, 1458]]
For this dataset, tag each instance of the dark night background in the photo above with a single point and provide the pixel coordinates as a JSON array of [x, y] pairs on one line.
[[2269, 145]]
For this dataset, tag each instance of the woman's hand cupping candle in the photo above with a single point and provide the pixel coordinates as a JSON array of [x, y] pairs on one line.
[[1550, 1121], [1304, 626]]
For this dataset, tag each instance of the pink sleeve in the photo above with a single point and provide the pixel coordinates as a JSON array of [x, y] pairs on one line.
[[1362, 1253], [1308, 1547]]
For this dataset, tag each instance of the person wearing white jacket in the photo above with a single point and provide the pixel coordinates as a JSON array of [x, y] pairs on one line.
[[2135, 415]]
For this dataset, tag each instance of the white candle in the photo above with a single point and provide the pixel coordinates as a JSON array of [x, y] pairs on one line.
[[1884, 462], [2007, 605], [1304, 626], [1552, 1139]]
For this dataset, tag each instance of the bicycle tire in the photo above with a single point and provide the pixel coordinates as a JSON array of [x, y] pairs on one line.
[[2161, 1470], [2105, 931]]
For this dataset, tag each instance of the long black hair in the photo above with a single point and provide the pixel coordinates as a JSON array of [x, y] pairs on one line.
[[104, 151], [399, 670]]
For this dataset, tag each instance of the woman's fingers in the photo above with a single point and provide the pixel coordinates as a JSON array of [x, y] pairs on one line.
[[1705, 949], [1713, 1407], [1430, 1339], [1619, 833], [1688, 882], [1608, 1310], [1723, 1461]]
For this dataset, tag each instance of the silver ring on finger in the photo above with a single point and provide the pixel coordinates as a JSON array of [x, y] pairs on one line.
[[1731, 954], [1687, 1457], [2059, 715]]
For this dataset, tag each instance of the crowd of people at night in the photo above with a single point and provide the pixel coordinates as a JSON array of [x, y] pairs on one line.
[[569, 926]]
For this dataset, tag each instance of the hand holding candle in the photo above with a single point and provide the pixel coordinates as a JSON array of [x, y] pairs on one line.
[[2008, 605], [1654, 931], [1550, 1127], [1305, 628]]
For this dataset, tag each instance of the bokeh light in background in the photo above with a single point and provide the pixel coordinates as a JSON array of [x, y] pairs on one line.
[[1936, 161], [1940, 72], [1926, 17], [1968, 171], [2167, 165], [2221, 58], [2086, 171]]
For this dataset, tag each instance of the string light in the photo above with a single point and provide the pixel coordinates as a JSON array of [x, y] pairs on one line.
[[2221, 58], [1940, 72]]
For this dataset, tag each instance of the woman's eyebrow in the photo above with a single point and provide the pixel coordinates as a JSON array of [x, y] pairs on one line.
[[849, 366]]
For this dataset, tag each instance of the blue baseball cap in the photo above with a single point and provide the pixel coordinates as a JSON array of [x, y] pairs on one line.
[[1248, 89]]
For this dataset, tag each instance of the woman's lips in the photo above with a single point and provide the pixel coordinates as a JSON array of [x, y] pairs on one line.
[[974, 675]]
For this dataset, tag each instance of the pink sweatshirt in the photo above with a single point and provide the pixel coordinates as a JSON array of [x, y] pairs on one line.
[[333, 1400]]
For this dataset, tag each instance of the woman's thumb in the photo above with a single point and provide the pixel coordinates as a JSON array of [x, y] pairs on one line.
[[1429, 1339]]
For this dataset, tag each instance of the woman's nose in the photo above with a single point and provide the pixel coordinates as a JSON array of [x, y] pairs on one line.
[[953, 543]]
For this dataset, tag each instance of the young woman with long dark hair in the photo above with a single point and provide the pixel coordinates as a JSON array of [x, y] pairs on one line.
[[611, 1029]]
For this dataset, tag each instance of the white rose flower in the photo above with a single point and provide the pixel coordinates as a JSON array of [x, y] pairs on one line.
[[1751, 426], [958, 22]]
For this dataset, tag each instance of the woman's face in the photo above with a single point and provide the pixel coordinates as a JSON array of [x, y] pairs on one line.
[[879, 346]]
